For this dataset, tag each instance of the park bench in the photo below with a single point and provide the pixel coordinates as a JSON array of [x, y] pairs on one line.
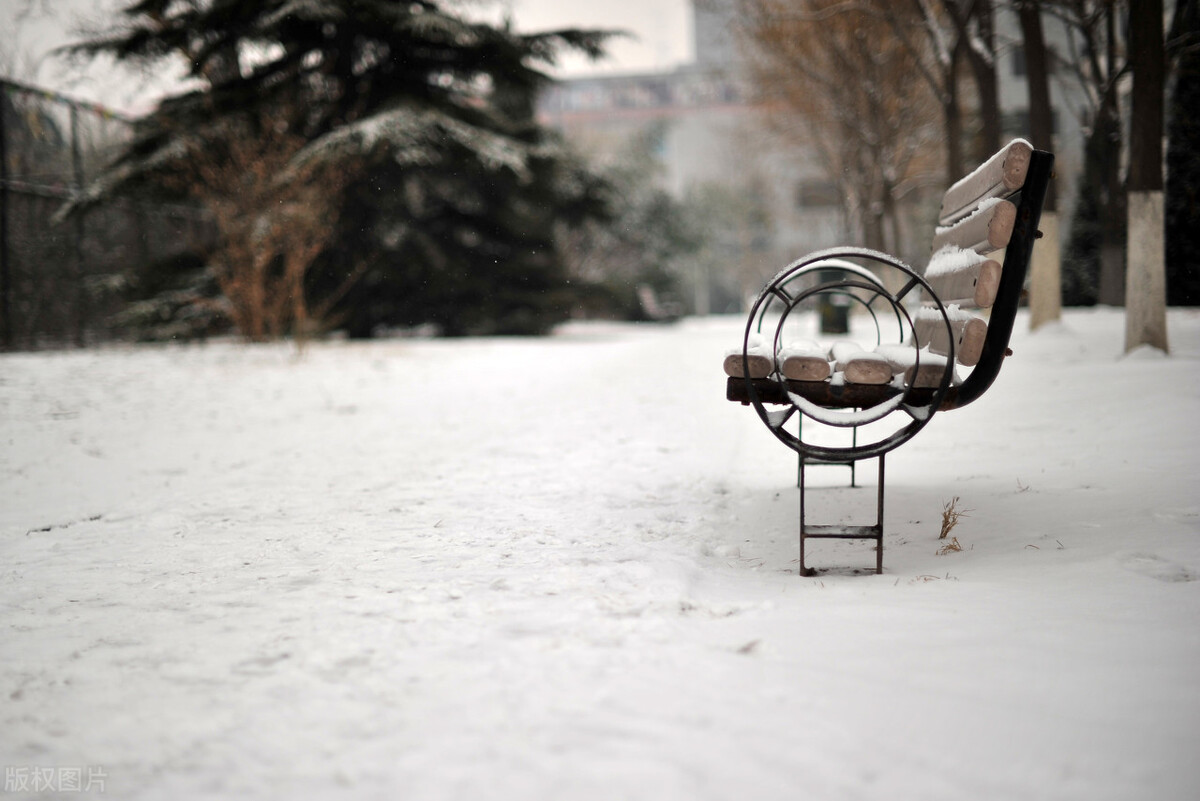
[[936, 338]]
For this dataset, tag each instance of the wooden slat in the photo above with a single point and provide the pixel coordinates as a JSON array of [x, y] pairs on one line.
[[985, 231], [867, 368], [999, 176], [805, 368], [859, 366], [928, 375], [903, 359], [963, 277], [968, 331], [824, 393], [804, 361], [760, 366]]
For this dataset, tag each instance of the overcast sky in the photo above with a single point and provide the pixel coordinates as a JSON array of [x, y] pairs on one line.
[[660, 40], [663, 30]]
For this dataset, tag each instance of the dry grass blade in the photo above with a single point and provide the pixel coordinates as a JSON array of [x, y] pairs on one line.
[[950, 516], [949, 547]]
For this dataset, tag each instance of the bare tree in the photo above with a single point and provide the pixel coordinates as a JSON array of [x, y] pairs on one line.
[[974, 25], [941, 36], [273, 222], [838, 72], [1097, 60], [924, 29]]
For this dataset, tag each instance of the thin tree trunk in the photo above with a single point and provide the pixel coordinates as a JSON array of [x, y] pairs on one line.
[[983, 69], [1045, 292], [1108, 137], [1041, 119], [977, 46], [952, 114]]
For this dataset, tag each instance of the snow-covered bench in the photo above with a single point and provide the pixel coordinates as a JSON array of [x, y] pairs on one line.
[[940, 335]]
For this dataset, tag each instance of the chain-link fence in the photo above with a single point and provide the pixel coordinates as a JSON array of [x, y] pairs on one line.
[[57, 279]]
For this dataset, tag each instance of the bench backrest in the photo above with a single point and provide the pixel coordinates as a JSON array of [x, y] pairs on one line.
[[995, 208]]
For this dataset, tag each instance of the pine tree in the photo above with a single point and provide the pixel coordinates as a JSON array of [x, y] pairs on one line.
[[415, 128]]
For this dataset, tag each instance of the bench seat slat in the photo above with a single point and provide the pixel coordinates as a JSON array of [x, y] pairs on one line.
[[824, 393], [760, 359], [969, 333], [964, 277], [804, 361], [868, 369], [760, 366], [1001, 175], [805, 368], [859, 366], [853, 365], [988, 229], [903, 359]]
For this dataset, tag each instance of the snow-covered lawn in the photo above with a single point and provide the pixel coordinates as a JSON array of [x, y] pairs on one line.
[[565, 569]]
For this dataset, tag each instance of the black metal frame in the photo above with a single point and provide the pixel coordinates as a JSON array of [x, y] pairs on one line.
[[875, 402], [873, 532], [919, 404]]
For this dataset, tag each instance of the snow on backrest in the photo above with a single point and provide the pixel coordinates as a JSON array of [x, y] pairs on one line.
[[963, 276], [999, 176], [988, 228], [967, 331]]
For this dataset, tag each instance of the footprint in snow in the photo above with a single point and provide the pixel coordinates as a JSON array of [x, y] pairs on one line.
[[1156, 567]]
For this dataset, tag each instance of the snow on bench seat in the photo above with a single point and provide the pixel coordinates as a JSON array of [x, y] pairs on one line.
[[759, 355], [926, 375], [860, 366], [807, 367], [804, 361]]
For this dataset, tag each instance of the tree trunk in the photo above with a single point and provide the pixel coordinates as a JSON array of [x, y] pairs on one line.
[[1107, 162], [952, 116], [983, 67], [1146, 285], [1107, 136], [1045, 293], [1041, 120]]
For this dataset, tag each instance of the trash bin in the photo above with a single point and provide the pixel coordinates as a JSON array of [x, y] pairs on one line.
[[833, 306]]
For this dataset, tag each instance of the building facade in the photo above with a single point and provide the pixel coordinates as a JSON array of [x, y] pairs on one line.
[[708, 135]]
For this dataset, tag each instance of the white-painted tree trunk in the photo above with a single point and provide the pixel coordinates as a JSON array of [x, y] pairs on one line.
[[1045, 284], [1146, 275]]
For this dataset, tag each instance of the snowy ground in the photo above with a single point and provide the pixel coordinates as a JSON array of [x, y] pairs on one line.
[[565, 569]]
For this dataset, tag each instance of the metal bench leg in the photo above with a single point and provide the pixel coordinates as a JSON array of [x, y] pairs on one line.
[[852, 463], [874, 532], [879, 522], [804, 571]]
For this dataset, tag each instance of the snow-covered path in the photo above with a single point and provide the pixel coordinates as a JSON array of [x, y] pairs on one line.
[[565, 569]]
